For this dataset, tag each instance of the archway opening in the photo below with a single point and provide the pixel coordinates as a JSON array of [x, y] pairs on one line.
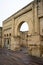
[[23, 32], [24, 27]]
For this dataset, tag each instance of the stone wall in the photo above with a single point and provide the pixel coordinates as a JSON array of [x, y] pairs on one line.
[[31, 39], [0, 36]]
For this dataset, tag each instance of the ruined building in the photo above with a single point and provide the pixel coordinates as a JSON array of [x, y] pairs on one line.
[[32, 40]]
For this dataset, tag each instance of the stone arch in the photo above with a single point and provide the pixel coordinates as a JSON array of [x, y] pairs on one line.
[[19, 26], [30, 24], [24, 27]]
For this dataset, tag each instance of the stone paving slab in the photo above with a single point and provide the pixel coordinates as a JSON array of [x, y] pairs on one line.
[[8, 57]]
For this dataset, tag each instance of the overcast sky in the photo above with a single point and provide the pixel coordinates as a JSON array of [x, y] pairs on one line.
[[9, 7]]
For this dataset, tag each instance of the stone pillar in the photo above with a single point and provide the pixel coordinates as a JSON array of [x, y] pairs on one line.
[[33, 13], [13, 21], [15, 45], [36, 20], [12, 43], [34, 45], [14, 40]]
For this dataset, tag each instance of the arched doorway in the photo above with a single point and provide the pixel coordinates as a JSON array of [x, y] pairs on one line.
[[23, 30], [24, 27]]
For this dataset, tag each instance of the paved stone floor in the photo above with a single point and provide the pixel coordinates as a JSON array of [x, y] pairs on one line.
[[8, 57]]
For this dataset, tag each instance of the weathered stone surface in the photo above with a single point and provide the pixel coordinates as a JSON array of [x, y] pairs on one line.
[[0, 37], [33, 39], [8, 57]]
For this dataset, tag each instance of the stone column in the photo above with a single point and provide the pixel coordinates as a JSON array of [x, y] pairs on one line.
[[36, 20], [13, 24], [16, 43], [33, 13], [12, 35], [12, 43]]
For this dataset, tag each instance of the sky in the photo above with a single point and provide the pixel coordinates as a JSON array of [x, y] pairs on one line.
[[24, 27], [9, 7]]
